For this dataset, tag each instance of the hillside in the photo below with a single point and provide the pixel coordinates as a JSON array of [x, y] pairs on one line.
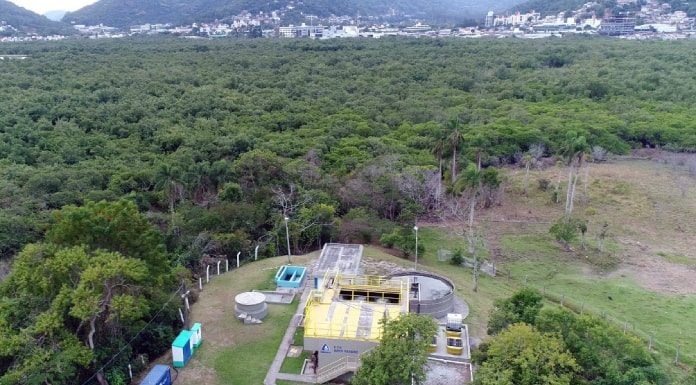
[[27, 22], [123, 13], [552, 7]]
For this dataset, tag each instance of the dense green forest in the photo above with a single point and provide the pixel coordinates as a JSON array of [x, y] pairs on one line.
[[195, 150]]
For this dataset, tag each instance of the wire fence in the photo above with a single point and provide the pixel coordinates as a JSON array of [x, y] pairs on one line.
[[677, 354], [484, 266]]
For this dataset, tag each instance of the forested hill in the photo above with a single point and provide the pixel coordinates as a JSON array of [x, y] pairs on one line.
[[26, 22], [123, 13], [553, 7]]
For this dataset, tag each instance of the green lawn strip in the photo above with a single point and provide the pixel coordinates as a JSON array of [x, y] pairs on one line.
[[293, 365], [678, 259], [248, 362]]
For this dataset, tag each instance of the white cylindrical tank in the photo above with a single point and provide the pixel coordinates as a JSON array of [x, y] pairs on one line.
[[251, 304]]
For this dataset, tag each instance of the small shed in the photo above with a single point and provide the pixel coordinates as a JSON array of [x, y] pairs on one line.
[[182, 349], [197, 336], [159, 375]]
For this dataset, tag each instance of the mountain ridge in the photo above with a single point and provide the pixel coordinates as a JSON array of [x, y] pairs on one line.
[[28, 22], [125, 13]]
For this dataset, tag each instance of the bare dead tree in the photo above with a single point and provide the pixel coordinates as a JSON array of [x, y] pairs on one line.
[[289, 200], [601, 237]]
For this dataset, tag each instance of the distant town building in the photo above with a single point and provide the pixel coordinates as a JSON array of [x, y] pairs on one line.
[[418, 28], [292, 31], [490, 19], [618, 26]]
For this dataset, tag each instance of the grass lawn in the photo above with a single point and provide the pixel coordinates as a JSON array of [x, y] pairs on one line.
[[249, 360], [233, 353]]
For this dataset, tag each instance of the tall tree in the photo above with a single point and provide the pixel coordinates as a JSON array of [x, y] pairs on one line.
[[439, 145], [521, 355], [455, 136], [402, 354], [472, 184], [574, 150], [169, 179], [527, 159]]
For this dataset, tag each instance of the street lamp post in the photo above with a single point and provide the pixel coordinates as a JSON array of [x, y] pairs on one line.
[[415, 265], [287, 237]]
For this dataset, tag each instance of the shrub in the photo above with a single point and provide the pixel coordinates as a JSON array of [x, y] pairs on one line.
[[457, 258]]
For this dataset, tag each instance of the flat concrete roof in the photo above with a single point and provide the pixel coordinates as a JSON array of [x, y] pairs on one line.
[[338, 257]]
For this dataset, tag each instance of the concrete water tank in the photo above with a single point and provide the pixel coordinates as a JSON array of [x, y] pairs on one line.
[[251, 304], [429, 293]]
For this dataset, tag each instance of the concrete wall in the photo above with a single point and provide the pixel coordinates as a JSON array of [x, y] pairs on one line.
[[437, 308], [335, 348]]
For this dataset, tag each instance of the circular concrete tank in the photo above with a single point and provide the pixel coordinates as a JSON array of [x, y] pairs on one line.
[[252, 304], [429, 293]]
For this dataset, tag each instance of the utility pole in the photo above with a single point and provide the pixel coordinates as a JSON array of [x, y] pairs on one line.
[[415, 265], [287, 236]]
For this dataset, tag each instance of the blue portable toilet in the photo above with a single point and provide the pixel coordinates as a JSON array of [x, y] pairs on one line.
[[182, 349], [159, 375], [197, 336]]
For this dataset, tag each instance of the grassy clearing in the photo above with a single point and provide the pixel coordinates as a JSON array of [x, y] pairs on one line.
[[627, 282], [234, 353]]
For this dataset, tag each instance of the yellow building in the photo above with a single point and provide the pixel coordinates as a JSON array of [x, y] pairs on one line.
[[344, 317]]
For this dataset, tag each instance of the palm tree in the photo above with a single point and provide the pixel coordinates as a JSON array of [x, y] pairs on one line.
[[574, 150], [454, 139], [169, 179], [527, 159], [473, 183], [439, 145]]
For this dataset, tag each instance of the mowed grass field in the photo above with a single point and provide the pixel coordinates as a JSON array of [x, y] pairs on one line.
[[645, 278]]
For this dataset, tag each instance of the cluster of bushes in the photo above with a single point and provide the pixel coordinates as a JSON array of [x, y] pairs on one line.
[[532, 344]]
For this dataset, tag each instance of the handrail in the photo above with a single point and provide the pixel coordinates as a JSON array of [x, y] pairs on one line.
[[341, 366]]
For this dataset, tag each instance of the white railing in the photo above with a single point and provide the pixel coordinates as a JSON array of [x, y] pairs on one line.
[[339, 367]]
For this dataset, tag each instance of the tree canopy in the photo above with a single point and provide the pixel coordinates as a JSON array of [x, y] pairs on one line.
[[401, 355]]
